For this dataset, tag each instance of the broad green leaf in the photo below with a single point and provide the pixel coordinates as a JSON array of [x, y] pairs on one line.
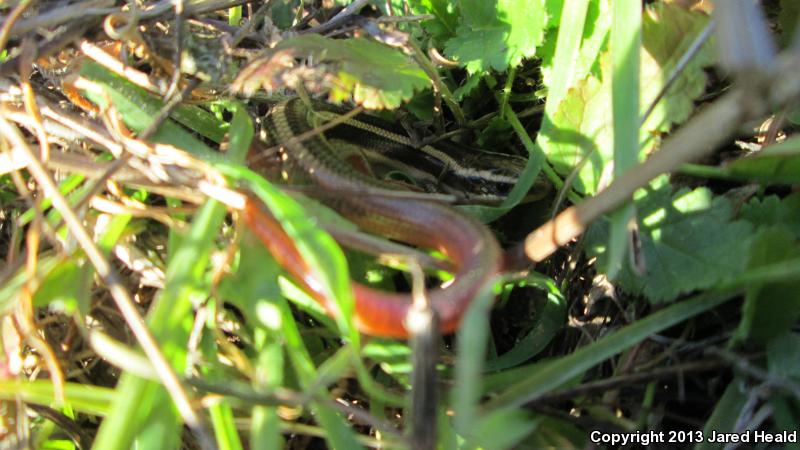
[[770, 310], [667, 32], [254, 284], [581, 135], [284, 12], [446, 16], [772, 210], [497, 35], [373, 74], [688, 242], [783, 356], [579, 46]]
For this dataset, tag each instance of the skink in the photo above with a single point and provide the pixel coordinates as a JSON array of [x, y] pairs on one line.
[[471, 247]]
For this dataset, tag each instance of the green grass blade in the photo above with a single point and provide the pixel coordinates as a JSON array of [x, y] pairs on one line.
[[626, 41], [568, 44], [550, 375], [726, 413], [472, 339], [535, 164], [224, 427], [142, 409], [338, 434], [327, 261], [83, 398], [549, 322]]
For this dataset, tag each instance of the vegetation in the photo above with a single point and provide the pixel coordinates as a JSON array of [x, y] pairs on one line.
[[137, 309]]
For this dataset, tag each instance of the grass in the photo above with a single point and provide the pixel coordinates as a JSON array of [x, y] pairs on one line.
[[139, 310]]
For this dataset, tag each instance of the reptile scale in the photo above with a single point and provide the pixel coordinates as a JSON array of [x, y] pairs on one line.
[[317, 159]]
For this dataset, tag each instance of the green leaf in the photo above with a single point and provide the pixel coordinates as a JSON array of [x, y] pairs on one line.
[[568, 47], [254, 284], [688, 242], [581, 130], [222, 420], [554, 9], [626, 31], [726, 413], [549, 321], [65, 288], [501, 429], [373, 74], [788, 18], [557, 433], [528, 383], [776, 164], [139, 415], [10, 291], [284, 12], [446, 17], [84, 398], [770, 310], [667, 32], [772, 210], [593, 43], [783, 356], [497, 35], [138, 109], [472, 340]]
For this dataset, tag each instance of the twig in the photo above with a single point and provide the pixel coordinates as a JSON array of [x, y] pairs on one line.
[[250, 24], [439, 87], [73, 31], [57, 17], [337, 20], [11, 20], [300, 138], [701, 135], [177, 60], [422, 322], [756, 372], [167, 109], [626, 381], [690, 53]]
